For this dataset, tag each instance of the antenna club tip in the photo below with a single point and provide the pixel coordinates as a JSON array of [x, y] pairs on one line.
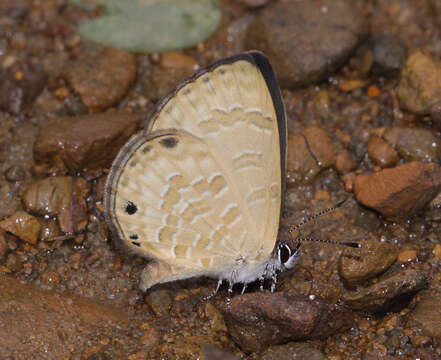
[[341, 203]]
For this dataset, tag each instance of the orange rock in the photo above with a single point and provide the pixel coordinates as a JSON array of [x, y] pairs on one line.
[[381, 152], [350, 85], [22, 225], [177, 59], [407, 256], [373, 91], [399, 191]]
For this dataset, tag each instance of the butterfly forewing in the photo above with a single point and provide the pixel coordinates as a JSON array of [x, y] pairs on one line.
[[231, 108]]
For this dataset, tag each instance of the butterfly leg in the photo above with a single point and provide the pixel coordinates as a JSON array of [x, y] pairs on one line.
[[262, 282], [274, 281], [243, 288], [230, 294], [219, 283]]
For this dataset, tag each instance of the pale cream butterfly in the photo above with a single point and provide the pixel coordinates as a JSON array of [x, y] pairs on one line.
[[200, 191]]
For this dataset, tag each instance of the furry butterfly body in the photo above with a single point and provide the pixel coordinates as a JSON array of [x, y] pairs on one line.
[[199, 192]]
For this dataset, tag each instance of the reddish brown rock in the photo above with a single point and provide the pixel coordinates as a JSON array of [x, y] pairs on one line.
[[420, 83], [320, 145], [64, 197], [381, 152], [101, 77], [357, 265], [22, 225], [305, 40], [308, 154], [345, 162], [257, 320], [399, 191], [71, 144], [301, 165]]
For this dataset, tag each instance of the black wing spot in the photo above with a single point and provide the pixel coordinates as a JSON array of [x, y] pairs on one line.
[[134, 237], [131, 208], [146, 149], [169, 142], [136, 243]]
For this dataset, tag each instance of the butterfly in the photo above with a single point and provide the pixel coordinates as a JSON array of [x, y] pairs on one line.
[[199, 192]]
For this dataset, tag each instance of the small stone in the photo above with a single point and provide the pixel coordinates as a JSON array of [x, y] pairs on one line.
[[301, 165], [351, 85], [414, 144], [321, 195], [15, 173], [177, 59], [64, 197], [150, 337], [345, 162], [160, 301], [320, 145], [293, 351], [373, 91], [49, 230], [407, 256], [71, 144], [258, 320], [428, 313], [297, 38], [215, 317], [356, 265], [22, 225], [399, 191], [419, 87], [389, 53], [3, 244], [379, 296], [50, 277], [20, 85], [381, 152], [437, 251], [101, 77], [13, 262]]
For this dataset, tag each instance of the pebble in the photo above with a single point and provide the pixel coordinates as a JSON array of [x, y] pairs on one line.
[[437, 251], [22, 225], [308, 154], [258, 320], [72, 144], [160, 301], [389, 54], [356, 265], [407, 256], [400, 191], [380, 295], [15, 173], [20, 85], [419, 87], [177, 59], [101, 77], [297, 38], [345, 162], [293, 351], [64, 197], [13, 262], [381, 153], [413, 144], [373, 91], [428, 313]]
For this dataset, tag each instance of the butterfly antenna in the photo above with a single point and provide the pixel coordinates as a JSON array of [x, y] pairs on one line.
[[315, 216], [326, 241]]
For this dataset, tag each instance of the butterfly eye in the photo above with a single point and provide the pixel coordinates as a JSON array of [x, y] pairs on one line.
[[284, 253]]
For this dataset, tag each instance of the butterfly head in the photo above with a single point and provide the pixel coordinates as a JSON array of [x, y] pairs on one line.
[[287, 255]]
